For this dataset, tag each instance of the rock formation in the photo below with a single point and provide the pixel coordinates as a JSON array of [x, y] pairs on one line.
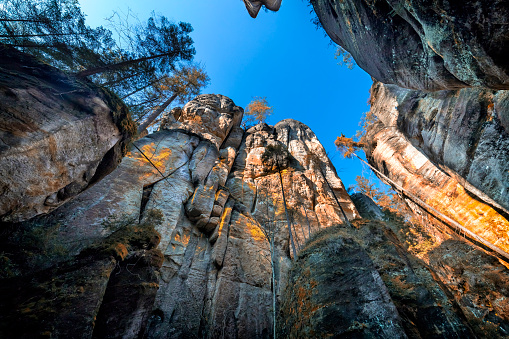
[[418, 45], [173, 243], [459, 291], [449, 149], [462, 132], [180, 218], [57, 136], [254, 6]]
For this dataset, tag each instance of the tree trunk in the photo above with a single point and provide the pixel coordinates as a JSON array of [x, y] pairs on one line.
[[287, 216], [336, 198], [143, 126], [101, 69], [273, 264]]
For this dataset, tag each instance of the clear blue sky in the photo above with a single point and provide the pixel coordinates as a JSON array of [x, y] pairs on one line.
[[281, 56]]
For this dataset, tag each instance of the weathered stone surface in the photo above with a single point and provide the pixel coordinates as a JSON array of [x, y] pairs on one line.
[[367, 207], [334, 290], [425, 306], [479, 284], [309, 199], [395, 157], [176, 233], [209, 115], [59, 303], [254, 6], [459, 131], [118, 197], [57, 136], [418, 45]]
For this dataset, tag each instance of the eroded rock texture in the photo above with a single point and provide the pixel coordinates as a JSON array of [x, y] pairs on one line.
[[176, 230], [57, 136], [457, 292], [420, 45], [462, 132], [399, 160]]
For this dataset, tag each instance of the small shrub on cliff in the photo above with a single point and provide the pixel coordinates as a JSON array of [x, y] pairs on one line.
[[345, 58], [257, 111]]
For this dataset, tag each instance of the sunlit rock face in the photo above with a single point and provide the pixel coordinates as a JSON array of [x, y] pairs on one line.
[[463, 132], [418, 45], [201, 267], [395, 157], [57, 136], [306, 178]]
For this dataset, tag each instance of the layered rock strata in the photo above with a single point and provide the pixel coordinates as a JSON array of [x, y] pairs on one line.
[[57, 136], [418, 45], [450, 150]]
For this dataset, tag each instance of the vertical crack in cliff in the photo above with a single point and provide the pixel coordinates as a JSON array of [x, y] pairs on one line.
[[147, 192]]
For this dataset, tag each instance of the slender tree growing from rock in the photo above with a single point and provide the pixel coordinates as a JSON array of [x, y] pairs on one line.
[[277, 156]]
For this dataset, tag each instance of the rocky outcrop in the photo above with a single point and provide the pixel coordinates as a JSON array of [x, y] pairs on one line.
[[175, 243], [57, 136], [204, 179], [410, 170], [458, 293], [254, 6], [417, 45], [461, 132]]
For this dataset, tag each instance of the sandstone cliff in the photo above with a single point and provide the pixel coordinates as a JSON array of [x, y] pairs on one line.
[[176, 227], [418, 45], [449, 149], [171, 244], [57, 136]]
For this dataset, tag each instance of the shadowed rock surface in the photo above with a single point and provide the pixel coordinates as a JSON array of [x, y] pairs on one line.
[[209, 275], [57, 136], [415, 44]]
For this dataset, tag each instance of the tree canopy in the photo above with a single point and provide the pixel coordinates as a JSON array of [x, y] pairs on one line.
[[258, 110], [148, 65]]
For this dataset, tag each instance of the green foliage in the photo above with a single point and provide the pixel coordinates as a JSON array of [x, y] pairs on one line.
[[146, 63], [54, 31]]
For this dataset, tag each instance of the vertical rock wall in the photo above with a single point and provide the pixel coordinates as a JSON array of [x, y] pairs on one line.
[[58, 136], [180, 222]]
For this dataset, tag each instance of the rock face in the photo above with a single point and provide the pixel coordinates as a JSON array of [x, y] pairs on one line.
[[176, 243], [462, 132], [57, 136], [178, 227], [450, 150], [396, 158], [459, 292], [418, 45]]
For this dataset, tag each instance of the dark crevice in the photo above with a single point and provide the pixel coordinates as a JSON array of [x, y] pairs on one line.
[[147, 192], [108, 163], [253, 208]]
